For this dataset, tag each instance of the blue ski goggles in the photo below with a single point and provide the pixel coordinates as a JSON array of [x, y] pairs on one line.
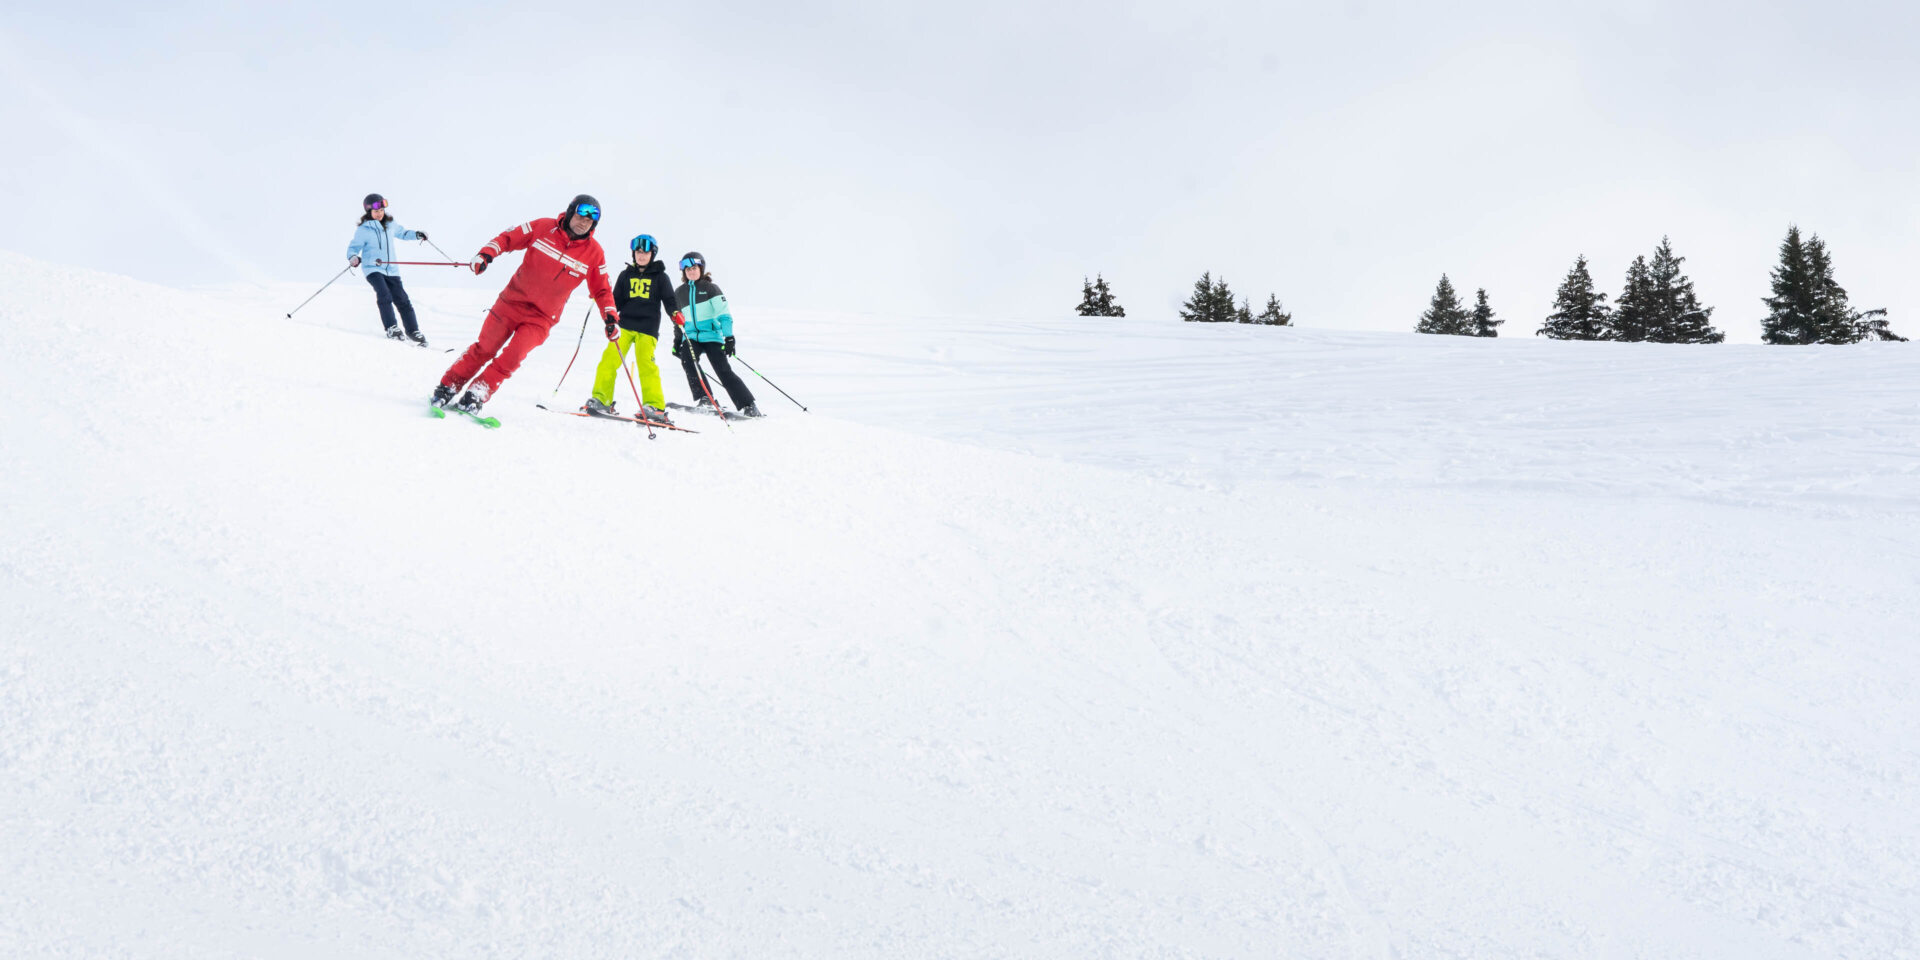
[[645, 242], [693, 262], [587, 210]]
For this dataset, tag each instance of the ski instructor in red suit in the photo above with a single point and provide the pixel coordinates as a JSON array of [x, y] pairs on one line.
[[561, 252]]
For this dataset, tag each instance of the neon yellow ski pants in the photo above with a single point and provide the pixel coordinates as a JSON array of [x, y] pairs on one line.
[[615, 357]]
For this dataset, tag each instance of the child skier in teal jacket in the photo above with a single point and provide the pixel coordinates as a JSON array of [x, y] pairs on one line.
[[703, 327]]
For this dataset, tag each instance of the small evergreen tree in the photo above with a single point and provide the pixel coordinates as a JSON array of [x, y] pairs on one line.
[[1096, 299], [1833, 318], [1199, 305], [1791, 311], [1245, 312], [1274, 315], [1089, 301], [1579, 311], [1677, 316], [1632, 312], [1444, 314], [1222, 306], [1103, 299], [1482, 322]]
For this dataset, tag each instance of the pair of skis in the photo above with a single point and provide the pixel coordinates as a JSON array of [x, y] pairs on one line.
[[440, 413], [614, 416], [728, 415]]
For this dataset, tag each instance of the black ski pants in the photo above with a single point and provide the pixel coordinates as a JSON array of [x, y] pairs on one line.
[[716, 354], [391, 294]]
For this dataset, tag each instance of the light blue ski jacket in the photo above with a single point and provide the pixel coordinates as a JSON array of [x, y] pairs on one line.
[[371, 243]]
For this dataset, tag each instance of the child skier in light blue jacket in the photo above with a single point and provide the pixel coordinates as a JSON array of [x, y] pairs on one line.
[[372, 244]]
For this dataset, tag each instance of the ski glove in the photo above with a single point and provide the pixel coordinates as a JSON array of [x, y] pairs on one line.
[[678, 320], [680, 348], [356, 261], [420, 235], [729, 346], [480, 262], [613, 325]]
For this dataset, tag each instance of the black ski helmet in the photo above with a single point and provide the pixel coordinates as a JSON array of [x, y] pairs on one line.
[[692, 258], [372, 198], [583, 200]]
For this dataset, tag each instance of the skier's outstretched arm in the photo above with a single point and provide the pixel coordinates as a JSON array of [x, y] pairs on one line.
[[510, 239]]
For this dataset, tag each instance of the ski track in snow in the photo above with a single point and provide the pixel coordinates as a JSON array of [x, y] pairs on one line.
[[1065, 637]]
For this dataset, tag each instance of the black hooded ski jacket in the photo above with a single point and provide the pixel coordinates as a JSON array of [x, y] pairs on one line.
[[642, 295]]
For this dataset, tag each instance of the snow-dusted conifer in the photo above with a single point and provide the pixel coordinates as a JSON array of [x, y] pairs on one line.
[[1444, 314], [1483, 323], [1579, 311], [1792, 314], [1676, 315], [1103, 299], [1274, 315], [1089, 301]]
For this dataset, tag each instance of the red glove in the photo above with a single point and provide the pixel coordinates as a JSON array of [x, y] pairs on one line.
[[678, 320]]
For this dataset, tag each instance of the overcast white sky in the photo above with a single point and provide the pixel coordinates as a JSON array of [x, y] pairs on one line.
[[980, 158]]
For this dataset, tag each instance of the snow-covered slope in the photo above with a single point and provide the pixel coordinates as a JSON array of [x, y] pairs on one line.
[[1066, 638]]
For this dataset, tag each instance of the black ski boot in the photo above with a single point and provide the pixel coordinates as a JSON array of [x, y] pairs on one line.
[[441, 395], [417, 337], [471, 400], [751, 410], [394, 333], [595, 408]]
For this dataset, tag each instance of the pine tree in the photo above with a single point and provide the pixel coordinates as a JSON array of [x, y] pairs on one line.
[[1579, 311], [1483, 323], [1445, 315], [1089, 301], [1245, 312], [1834, 316], [1103, 299], [1676, 315], [1222, 307], [1274, 315], [1204, 305], [1632, 312], [1791, 311]]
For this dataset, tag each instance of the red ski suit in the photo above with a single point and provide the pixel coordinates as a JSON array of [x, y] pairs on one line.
[[530, 305]]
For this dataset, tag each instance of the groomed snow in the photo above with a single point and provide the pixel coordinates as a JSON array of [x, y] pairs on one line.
[[1058, 637]]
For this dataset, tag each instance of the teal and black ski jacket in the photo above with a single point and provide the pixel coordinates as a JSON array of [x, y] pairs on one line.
[[704, 308]]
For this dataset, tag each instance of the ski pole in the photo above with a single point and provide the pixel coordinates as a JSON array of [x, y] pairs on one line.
[[576, 351], [424, 263], [718, 411], [770, 383], [436, 248], [323, 289], [642, 404]]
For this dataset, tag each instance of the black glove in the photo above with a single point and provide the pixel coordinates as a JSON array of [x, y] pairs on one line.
[[480, 262], [680, 348], [420, 235], [729, 346]]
